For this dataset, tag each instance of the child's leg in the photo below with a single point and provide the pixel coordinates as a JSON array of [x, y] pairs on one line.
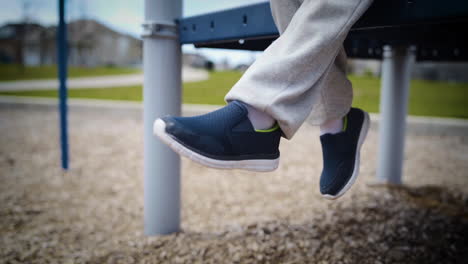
[[303, 70]]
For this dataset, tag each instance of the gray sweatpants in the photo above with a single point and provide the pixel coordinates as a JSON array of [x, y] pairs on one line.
[[304, 71]]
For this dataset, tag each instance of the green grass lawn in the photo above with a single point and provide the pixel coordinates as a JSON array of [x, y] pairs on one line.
[[427, 98], [12, 72]]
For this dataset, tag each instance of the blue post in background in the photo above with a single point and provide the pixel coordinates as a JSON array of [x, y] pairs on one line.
[[62, 71]]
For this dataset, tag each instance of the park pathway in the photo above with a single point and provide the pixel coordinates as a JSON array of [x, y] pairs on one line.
[[188, 75]]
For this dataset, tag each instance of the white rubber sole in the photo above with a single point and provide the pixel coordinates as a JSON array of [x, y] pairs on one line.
[[362, 138], [159, 129]]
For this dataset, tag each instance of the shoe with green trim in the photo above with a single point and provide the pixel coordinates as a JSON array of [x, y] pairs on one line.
[[223, 139], [341, 154]]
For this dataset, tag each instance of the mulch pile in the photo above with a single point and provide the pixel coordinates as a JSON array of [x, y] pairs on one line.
[[94, 212]]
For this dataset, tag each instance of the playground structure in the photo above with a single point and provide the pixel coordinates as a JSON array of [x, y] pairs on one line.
[[398, 32]]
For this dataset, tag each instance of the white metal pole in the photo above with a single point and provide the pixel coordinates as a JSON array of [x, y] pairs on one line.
[[161, 96], [396, 76]]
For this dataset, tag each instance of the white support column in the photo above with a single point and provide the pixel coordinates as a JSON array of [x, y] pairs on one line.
[[161, 96], [396, 76]]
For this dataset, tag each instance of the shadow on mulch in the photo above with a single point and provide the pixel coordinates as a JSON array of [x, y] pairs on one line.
[[395, 225]]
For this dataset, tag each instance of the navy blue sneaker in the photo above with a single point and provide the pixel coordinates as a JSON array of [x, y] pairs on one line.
[[223, 139], [341, 154]]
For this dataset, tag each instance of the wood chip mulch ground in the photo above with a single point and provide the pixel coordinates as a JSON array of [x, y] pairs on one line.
[[94, 212]]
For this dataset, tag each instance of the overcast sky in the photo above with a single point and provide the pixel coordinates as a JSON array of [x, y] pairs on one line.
[[122, 15]]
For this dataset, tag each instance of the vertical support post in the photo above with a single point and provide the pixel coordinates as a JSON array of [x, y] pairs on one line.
[[396, 75], [62, 72], [161, 96]]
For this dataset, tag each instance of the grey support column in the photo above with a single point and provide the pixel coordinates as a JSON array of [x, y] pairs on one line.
[[396, 76], [161, 96]]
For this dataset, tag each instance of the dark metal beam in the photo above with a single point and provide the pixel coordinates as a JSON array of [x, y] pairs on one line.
[[436, 28]]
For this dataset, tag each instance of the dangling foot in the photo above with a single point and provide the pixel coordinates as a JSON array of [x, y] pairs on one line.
[[223, 139], [341, 154]]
